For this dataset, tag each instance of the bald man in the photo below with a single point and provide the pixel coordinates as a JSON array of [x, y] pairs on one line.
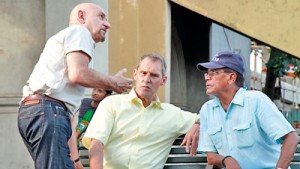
[[56, 86]]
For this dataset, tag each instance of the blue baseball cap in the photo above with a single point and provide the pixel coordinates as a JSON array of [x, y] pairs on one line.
[[224, 59]]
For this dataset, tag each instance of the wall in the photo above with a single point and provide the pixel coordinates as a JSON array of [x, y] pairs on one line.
[[22, 39], [23, 28], [274, 22], [138, 27], [222, 39]]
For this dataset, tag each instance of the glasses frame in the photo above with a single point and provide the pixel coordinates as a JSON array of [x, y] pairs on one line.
[[214, 72]]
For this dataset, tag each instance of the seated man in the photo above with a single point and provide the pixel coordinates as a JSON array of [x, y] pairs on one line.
[[241, 128], [87, 109], [136, 130]]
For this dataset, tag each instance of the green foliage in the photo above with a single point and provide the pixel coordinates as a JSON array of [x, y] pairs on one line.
[[296, 69], [279, 63]]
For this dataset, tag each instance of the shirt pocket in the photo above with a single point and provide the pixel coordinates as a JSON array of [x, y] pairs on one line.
[[215, 135], [243, 135]]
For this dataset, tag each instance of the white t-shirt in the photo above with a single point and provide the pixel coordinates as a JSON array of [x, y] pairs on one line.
[[49, 75]]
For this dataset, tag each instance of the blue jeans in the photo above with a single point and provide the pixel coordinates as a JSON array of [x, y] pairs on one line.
[[45, 129]]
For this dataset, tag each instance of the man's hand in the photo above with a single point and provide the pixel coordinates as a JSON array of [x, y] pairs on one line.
[[220, 161], [78, 165], [191, 140], [231, 163], [73, 143], [122, 83]]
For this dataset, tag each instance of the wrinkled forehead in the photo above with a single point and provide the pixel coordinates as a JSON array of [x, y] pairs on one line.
[[150, 65], [101, 10]]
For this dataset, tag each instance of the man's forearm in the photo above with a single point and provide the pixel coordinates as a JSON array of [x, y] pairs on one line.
[[214, 159], [96, 154], [73, 140], [222, 161], [288, 149], [73, 144], [79, 73]]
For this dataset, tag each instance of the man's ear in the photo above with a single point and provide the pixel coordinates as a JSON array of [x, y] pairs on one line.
[[164, 80], [232, 77], [135, 74], [81, 16]]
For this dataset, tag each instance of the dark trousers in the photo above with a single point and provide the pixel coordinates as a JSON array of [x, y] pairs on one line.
[[45, 129]]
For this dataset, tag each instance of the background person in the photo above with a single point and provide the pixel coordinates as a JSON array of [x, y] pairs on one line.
[[136, 130], [56, 86], [87, 109], [241, 128]]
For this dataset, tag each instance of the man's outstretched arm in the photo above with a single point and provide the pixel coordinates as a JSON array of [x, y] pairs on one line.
[[80, 73]]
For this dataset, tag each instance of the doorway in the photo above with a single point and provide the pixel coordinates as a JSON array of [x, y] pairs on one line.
[[189, 46]]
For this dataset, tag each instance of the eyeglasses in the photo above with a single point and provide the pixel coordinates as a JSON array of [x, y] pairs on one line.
[[212, 73]]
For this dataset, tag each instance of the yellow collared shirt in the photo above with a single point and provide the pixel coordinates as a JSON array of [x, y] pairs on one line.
[[136, 137]]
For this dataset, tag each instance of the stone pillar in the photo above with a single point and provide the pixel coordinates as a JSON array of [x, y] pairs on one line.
[[22, 40]]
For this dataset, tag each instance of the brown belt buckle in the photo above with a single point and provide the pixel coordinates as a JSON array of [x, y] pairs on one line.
[[29, 102]]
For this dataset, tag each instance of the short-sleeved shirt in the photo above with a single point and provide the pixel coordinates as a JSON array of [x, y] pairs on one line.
[[85, 106], [50, 73], [85, 115], [135, 136], [250, 130]]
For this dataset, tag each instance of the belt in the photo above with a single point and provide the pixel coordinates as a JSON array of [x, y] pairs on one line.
[[36, 98]]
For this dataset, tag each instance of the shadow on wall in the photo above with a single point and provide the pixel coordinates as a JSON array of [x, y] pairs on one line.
[[189, 46]]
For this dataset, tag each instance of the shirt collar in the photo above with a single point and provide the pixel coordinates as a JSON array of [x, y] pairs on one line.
[[132, 97], [238, 98]]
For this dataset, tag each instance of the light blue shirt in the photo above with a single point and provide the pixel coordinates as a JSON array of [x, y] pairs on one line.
[[250, 131]]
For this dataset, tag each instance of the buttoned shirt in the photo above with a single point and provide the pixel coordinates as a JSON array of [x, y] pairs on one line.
[[136, 137], [250, 131], [50, 74]]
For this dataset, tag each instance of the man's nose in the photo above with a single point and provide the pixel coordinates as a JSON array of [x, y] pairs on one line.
[[147, 79], [107, 24], [207, 77]]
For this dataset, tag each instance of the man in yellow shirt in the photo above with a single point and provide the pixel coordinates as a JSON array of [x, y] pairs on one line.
[[136, 130]]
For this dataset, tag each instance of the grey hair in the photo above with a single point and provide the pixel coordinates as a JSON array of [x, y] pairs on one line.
[[155, 57], [240, 80]]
